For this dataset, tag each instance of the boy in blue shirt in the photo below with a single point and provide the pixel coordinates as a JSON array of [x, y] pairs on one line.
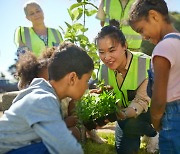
[[34, 123]]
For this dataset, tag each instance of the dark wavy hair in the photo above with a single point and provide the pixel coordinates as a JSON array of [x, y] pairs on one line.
[[29, 66]]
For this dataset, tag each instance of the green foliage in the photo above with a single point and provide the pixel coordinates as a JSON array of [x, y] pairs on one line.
[[75, 31], [175, 18], [147, 47], [93, 106]]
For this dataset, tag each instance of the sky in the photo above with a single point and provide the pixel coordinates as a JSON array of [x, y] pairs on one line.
[[55, 13]]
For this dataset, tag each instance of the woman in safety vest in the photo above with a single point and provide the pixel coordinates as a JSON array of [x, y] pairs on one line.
[[37, 37], [119, 10], [126, 72]]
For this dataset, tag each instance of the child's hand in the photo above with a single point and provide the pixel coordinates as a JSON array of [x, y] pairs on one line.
[[98, 91], [71, 121]]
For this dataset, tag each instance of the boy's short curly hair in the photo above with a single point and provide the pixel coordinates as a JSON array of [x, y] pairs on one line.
[[69, 58]]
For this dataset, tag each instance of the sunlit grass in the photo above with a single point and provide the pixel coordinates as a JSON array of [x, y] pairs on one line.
[[91, 147], [94, 148]]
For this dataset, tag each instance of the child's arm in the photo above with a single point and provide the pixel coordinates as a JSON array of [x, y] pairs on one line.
[[71, 121], [45, 119], [71, 107], [161, 75]]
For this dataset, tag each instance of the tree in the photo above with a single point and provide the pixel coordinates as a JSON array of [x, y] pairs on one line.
[[75, 31]]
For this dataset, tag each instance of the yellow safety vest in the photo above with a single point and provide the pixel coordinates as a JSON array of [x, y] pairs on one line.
[[114, 10], [32, 40], [136, 74]]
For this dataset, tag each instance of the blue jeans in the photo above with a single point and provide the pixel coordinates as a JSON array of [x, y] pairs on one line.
[[36, 148], [129, 131], [125, 144], [169, 135]]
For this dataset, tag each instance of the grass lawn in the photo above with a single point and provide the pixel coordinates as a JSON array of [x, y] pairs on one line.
[[106, 148]]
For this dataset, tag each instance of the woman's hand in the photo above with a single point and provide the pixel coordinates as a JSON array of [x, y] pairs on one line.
[[121, 114]]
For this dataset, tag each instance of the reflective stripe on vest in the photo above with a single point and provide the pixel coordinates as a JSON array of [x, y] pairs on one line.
[[136, 74], [27, 38], [114, 10], [104, 70], [107, 11], [55, 35], [33, 41]]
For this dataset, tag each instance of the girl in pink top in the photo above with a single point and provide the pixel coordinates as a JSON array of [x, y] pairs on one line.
[[150, 18]]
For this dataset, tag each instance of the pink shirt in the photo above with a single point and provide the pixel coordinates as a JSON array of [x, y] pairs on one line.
[[170, 49]]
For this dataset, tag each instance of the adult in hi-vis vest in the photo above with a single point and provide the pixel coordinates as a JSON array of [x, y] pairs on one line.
[[126, 72], [119, 10], [37, 37]]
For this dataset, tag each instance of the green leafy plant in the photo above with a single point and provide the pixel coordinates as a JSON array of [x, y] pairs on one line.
[[76, 30], [93, 106]]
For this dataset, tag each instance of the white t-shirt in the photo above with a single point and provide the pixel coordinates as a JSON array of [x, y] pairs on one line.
[[170, 49]]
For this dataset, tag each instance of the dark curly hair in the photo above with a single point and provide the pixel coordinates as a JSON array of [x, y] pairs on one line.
[[29, 66]]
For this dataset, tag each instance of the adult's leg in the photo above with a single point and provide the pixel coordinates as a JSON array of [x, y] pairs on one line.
[[126, 144]]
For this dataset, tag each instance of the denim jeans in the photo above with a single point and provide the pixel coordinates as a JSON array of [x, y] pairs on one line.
[[125, 144], [150, 82], [169, 135], [129, 131], [36, 148]]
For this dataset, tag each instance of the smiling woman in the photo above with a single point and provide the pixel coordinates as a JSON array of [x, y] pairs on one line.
[[126, 72], [37, 37]]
